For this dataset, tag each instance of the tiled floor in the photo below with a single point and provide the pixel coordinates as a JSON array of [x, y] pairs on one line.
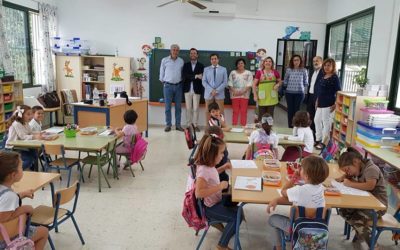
[[145, 212]]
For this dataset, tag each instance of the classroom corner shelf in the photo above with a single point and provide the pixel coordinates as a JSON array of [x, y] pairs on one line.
[[11, 95]]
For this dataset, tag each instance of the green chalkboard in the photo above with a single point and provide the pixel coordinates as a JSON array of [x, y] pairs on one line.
[[225, 59]]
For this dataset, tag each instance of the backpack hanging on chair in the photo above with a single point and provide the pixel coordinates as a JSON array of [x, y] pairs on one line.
[[262, 150], [330, 150], [20, 242], [139, 150], [310, 233]]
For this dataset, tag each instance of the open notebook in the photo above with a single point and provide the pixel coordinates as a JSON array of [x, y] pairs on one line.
[[248, 183], [54, 130]]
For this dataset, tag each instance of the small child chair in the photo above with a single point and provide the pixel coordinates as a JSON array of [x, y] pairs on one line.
[[52, 217]]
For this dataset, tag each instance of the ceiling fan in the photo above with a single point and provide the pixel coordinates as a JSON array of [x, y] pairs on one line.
[[192, 2]]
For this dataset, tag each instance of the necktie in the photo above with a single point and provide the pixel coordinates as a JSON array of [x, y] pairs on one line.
[[215, 73]]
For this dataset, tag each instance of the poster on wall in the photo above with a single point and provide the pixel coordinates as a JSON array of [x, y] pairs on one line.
[[68, 70], [116, 73]]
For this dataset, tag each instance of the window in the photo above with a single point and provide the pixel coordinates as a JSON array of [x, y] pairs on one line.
[[348, 42], [21, 28], [394, 95]]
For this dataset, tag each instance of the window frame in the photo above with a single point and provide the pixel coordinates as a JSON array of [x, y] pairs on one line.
[[346, 20], [26, 11], [395, 81]]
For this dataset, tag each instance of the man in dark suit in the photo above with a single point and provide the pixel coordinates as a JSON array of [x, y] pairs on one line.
[[316, 76], [192, 73]]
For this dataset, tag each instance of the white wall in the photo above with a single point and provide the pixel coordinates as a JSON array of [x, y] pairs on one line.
[[384, 32], [128, 24]]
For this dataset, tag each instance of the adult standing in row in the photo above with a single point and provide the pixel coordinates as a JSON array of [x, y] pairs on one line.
[[295, 83], [265, 87], [192, 74], [171, 77], [317, 75], [215, 79], [326, 91], [240, 82]]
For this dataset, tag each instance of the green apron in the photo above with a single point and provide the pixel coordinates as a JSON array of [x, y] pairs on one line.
[[267, 96]]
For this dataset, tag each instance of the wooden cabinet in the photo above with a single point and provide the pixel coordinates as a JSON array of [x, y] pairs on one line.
[[103, 72], [11, 96]]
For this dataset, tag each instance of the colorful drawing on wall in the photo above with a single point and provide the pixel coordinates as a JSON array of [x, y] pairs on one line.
[[116, 73], [261, 54], [146, 50], [138, 89], [142, 62], [305, 35], [289, 30], [68, 70]]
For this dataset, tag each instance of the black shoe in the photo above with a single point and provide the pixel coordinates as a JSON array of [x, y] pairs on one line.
[[179, 128], [167, 128], [197, 129]]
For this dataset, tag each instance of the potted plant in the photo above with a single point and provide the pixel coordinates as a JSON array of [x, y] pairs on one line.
[[70, 130], [361, 80]]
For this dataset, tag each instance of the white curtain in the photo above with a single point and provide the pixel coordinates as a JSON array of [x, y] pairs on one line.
[[47, 30], [5, 59]]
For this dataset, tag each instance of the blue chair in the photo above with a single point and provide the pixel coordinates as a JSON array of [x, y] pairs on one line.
[[52, 217], [61, 163], [293, 211]]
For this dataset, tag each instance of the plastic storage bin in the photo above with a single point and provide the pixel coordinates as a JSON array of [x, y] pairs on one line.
[[8, 115], [365, 127], [366, 112], [378, 141], [384, 120], [7, 97], [8, 107], [7, 88], [378, 103]]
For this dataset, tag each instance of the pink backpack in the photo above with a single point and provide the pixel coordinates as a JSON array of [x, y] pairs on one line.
[[189, 211], [139, 150], [20, 242]]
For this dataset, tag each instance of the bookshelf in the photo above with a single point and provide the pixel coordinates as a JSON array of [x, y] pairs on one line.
[[11, 96]]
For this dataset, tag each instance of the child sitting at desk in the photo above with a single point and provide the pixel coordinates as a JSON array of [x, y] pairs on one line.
[[362, 174], [36, 122], [263, 138], [127, 132], [301, 133], [10, 208], [216, 118], [314, 171], [19, 129]]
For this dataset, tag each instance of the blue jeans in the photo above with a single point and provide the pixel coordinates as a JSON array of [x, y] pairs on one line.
[[173, 93], [293, 105], [225, 214], [28, 158]]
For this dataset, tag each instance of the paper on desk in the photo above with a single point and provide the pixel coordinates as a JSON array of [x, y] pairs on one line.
[[243, 164], [106, 132], [237, 130], [282, 136], [348, 190], [248, 183], [54, 130]]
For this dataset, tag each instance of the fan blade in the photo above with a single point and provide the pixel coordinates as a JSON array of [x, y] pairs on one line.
[[173, 1], [197, 4]]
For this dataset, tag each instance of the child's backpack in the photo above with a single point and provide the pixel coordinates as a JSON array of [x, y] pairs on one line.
[[329, 152], [310, 233], [20, 242], [190, 212], [190, 136], [262, 150], [139, 149]]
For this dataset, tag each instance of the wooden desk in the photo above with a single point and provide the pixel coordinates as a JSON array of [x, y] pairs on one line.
[[34, 180], [51, 110], [242, 138], [95, 115], [86, 143], [387, 155], [269, 193]]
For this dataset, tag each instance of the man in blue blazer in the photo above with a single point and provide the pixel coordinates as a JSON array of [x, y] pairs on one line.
[[215, 80], [192, 73], [316, 76]]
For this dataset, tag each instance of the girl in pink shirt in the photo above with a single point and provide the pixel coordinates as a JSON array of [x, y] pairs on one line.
[[127, 132], [209, 188]]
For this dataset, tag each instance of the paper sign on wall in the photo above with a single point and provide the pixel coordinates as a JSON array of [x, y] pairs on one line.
[[117, 88]]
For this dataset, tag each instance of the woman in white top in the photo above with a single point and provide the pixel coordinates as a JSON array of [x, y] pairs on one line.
[[302, 133], [240, 82]]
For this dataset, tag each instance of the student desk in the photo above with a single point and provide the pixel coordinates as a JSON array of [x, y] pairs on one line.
[[85, 143], [113, 115], [390, 157], [242, 138], [269, 193], [34, 180]]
